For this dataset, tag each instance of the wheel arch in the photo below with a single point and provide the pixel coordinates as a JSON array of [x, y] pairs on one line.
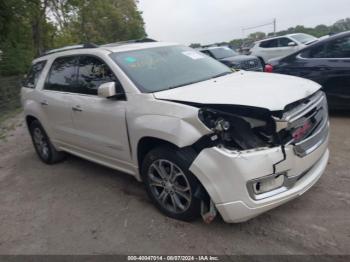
[[29, 120], [188, 154], [146, 144]]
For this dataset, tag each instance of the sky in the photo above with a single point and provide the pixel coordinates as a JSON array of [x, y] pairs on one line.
[[210, 21]]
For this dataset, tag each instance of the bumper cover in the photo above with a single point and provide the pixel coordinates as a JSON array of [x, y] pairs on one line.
[[225, 176]]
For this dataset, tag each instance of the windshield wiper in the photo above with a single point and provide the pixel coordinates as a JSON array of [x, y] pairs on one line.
[[186, 84], [221, 74], [194, 82]]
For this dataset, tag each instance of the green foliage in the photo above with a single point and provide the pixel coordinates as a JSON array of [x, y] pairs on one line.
[[195, 45], [257, 36], [29, 27]]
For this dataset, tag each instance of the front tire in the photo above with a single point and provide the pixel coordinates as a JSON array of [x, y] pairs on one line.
[[170, 185], [43, 147]]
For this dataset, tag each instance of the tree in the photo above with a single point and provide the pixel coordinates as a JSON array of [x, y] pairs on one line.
[[105, 21], [29, 27], [257, 36]]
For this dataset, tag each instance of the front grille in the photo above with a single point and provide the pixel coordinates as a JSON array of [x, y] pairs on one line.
[[307, 124], [251, 65]]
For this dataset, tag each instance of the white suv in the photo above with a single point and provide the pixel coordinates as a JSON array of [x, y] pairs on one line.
[[282, 46], [201, 137]]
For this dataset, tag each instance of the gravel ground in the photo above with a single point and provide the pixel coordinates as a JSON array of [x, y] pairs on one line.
[[78, 207]]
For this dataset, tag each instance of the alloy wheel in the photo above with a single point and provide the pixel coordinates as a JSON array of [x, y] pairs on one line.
[[170, 186], [41, 143]]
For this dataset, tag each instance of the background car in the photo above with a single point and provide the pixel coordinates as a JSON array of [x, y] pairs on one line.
[[232, 59], [326, 62], [281, 46]]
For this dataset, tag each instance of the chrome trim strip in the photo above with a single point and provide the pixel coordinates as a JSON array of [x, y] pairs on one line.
[[301, 110], [310, 144], [318, 102]]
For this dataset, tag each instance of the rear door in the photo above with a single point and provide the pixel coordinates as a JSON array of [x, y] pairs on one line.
[[100, 123], [56, 112]]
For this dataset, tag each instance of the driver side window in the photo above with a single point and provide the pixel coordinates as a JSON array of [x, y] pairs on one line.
[[92, 72], [284, 42]]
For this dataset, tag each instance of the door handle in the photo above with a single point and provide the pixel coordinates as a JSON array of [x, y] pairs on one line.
[[44, 103], [77, 109]]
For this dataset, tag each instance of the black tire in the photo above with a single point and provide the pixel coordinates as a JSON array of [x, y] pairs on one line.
[[44, 148], [164, 156], [262, 62]]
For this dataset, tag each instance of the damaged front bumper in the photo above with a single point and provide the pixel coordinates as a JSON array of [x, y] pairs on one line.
[[227, 177], [244, 184]]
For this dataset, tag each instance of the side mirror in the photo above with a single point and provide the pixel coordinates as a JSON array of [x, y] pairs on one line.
[[107, 90], [292, 44]]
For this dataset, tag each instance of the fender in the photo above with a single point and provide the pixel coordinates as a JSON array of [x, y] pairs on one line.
[[174, 130]]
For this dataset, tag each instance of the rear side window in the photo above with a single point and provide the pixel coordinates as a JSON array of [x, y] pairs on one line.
[[34, 74], [92, 73], [339, 48], [269, 43], [62, 76]]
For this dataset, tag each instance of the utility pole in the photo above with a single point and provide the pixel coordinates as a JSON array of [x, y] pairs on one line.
[[274, 23]]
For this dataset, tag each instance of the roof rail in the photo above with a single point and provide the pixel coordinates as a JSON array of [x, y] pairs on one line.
[[71, 47], [143, 40]]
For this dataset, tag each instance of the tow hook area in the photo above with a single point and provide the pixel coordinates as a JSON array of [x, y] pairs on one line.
[[208, 212]]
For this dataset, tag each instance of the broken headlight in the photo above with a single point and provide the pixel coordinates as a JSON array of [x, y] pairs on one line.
[[238, 132]]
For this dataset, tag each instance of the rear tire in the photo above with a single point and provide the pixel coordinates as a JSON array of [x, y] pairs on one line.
[[170, 185], [43, 147]]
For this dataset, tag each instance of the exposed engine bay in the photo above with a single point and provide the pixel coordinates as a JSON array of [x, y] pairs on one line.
[[244, 128], [237, 127], [240, 131]]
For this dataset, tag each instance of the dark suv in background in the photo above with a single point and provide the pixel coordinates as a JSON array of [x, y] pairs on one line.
[[232, 59], [326, 62]]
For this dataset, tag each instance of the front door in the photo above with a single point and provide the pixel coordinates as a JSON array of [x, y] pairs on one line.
[[100, 123]]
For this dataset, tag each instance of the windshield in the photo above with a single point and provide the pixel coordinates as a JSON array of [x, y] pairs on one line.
[[304, 38], [222, 52], [161, 68]]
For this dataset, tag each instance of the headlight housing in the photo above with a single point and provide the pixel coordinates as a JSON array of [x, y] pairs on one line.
[[238, 132]]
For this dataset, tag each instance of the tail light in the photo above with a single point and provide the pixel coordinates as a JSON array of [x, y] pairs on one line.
[[268, 68]]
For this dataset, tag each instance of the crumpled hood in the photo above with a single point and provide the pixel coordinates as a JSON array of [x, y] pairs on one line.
[[270, 91]]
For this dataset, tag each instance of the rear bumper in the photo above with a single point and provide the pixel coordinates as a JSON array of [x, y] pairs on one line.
[[226, 176]]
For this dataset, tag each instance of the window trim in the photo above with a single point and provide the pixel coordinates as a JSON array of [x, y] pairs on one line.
[[103, 61], [25, 81], [50, 69], [290, 40], [299, 56], [268, 40], [77, 56]]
